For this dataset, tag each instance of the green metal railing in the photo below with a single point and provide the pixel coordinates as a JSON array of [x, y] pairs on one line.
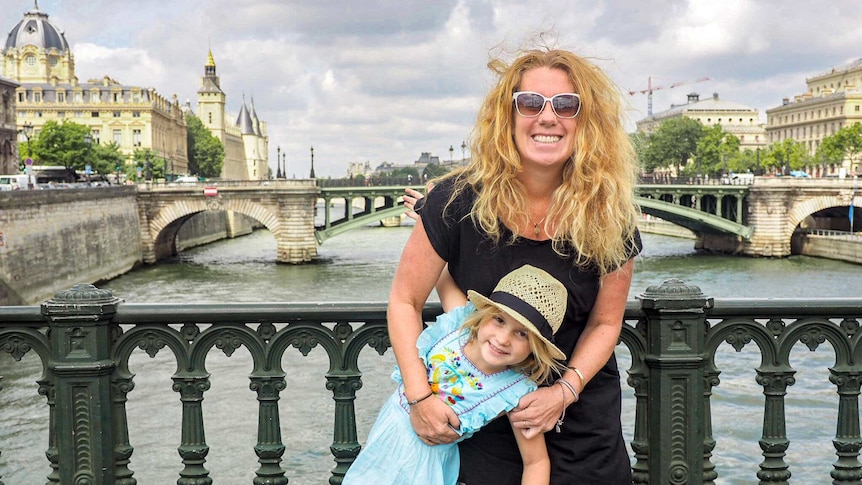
[[84, 338]]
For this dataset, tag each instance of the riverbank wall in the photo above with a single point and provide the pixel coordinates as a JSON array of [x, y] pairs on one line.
[[51, 240]]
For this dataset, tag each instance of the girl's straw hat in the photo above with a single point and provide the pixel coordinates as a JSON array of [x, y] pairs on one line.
[[532, 297]]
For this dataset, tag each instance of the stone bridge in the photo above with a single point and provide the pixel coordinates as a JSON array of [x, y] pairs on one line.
[[757, 220]]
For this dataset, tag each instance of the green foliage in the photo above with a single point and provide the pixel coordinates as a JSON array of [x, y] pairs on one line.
[[717, 151], [206, 152], [845, 144], [62, 144], [434, 170], [785, 156], [146, 158], [403, 172], [673, 144]]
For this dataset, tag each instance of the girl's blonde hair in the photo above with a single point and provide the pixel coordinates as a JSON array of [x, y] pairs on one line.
[[539, 366], [592, 212]]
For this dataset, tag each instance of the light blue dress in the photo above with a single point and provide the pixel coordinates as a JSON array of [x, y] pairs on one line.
[[393, 454]]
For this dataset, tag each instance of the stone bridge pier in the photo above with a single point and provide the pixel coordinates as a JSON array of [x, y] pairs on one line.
[[285, 208]]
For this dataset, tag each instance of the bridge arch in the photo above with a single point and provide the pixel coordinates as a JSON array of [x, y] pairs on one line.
[[168, 220], [808, 207]]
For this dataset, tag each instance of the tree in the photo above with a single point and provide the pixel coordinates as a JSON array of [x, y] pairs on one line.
[[785, 156], [715, 150], [147, 160], [206, 152], [845, 144], [63, 144], [674, 143]]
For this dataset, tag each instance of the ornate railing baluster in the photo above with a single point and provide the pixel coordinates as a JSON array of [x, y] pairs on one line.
[[269, 447], [193, 448], [774, 440], [123, 449], [847, 440]]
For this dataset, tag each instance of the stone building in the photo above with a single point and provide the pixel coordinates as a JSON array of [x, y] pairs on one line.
[[37, 56], [833, 100], [8, 128], [245, 141], [735, 118]]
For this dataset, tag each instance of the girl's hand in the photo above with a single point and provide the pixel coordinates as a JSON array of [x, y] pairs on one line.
[[410, 198], [538, 411], [433, 421]]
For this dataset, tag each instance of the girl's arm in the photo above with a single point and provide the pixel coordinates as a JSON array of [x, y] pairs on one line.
[[537, 464], [450, 295]]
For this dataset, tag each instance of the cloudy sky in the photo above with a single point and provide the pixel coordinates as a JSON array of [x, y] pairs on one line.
[[385, 80]]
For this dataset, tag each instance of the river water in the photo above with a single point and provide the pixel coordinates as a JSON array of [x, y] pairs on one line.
[[358, 266]]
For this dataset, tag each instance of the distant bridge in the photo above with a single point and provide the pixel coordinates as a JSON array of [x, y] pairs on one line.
[[758, 219]]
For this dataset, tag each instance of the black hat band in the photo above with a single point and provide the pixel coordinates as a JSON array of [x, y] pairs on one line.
[[534, 316]]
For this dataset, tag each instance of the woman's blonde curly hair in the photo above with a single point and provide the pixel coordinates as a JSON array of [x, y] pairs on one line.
[[593, 209]]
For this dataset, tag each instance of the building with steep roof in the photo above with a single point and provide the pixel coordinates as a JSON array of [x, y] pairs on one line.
[[833, 101], [245, 141], [735, 118], [36, 55]]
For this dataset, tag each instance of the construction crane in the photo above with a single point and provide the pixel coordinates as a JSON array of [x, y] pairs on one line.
[[650, 88]]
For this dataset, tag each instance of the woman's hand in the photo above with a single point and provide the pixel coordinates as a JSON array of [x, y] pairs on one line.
[[434, 422], [538, 411]]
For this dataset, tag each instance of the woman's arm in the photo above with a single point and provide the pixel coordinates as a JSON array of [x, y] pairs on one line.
[[417, 273], [534, 454], [539, 411]]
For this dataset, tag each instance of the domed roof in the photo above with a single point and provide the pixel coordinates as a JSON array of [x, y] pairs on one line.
[[35, 29]]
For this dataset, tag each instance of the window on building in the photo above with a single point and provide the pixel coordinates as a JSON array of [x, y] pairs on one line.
[[94, 114], [79, 114], [79, 97], [37, 97], [21, 97], [118, 137], [136, 97], [856, 108], [136, 138], [30, 60], [61, 114], [94, 97], [116, 114], [38, 114], [61, 97], [116, 97], [96, 134], [136, 114]]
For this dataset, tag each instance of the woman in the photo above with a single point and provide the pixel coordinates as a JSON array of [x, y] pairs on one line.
[[550, 184]]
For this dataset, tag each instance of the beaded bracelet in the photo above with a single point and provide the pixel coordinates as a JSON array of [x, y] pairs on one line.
[[417, 401]]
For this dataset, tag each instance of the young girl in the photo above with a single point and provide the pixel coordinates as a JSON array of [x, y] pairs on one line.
[[481, 359]]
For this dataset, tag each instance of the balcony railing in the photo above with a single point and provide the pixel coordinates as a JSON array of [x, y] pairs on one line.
[[84, 338]]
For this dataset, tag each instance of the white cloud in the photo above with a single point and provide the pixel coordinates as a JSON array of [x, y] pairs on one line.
[[389, 79]]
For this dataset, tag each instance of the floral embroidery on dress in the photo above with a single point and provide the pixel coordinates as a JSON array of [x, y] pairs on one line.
[[448, 377]]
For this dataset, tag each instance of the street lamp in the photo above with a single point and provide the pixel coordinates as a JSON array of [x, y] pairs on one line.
[[284, 160], [278, 162], [758, 161], [88, 139], [312, 162], [148, 166], [27, 129], [463, 151], [450, 153]]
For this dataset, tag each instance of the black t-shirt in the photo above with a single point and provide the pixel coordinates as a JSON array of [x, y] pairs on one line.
[[590, 449]]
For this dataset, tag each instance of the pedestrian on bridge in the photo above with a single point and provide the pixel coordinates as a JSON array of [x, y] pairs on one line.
[[551, 184]]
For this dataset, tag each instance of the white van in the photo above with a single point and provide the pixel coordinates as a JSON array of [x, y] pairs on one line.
[[16, 182]]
